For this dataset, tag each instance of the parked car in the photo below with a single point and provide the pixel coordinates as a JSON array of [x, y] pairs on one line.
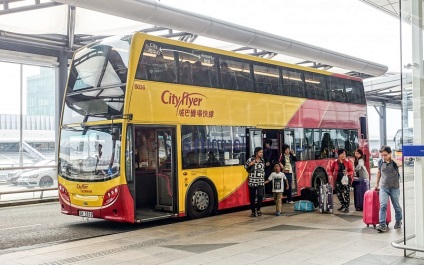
[[41, 177], [13, 176], [375, 153]]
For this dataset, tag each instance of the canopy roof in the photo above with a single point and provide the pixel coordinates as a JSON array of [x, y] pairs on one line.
[[61, 27]]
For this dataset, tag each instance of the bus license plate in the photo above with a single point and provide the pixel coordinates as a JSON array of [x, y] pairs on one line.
[[85, 214]]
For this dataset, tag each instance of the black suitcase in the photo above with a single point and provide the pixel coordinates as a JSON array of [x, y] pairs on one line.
[[310, 194]]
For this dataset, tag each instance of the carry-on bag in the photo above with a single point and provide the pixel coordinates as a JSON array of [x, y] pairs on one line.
[[309, 194], [326, 198], [360, 186], [304, 206], [371, 208]]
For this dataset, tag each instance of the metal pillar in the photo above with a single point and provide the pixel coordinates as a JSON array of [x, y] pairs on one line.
[[383, 128], [61, 78], [418, 109]]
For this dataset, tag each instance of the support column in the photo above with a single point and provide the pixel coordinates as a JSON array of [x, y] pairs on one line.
[[61, 79], [418, 109], [383, 128]]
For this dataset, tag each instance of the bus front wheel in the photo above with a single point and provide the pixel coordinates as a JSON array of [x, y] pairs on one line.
[[200, 200]]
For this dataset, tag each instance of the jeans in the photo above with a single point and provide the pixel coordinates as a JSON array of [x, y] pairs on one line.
[[256, 192], [394, 197], [289, 191]]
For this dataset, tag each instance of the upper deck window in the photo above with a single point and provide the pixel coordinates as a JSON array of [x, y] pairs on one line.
[[97, 79], [336, 90], [316, 87], [354, 92], [267, 79], [293, 84]]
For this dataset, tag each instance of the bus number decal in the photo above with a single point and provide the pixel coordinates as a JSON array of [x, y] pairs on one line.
[[140, 86]]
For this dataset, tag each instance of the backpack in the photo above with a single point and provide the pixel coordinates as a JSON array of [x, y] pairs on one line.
[[395, 166]]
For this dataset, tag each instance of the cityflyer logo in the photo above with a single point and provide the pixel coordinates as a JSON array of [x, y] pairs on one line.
[[187, 104]]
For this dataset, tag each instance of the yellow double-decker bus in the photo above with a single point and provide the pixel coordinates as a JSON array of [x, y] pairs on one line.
[[155, 128]]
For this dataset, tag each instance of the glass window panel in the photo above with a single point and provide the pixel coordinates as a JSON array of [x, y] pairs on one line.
[[293, 84], [267, 79], [315, 86], [235, 74], [336, 90], [354, 92], [157, 63]]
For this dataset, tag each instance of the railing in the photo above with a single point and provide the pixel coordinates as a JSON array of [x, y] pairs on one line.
[[28, 190], [396, 244]]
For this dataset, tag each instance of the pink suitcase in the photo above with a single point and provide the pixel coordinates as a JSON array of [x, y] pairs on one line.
[[372, 207]]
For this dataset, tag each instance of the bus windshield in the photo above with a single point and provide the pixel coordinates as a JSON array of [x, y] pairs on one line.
[[90, 154], [97, 79]]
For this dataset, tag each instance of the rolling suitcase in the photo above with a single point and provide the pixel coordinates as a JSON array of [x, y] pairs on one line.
[[371, 208], [359, 188], [309, 194], [326, 198]]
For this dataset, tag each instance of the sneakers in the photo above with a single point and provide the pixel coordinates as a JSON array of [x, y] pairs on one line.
[[259, 213], [253, 215], [340, 209], [381, 228], [345, 210], [277, 214], [290, 202], [398, 224]]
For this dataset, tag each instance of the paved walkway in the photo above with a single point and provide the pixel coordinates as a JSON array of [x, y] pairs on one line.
[[236, 238], [233, 238]]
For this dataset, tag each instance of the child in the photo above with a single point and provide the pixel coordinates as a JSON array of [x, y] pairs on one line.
[[277, 186]]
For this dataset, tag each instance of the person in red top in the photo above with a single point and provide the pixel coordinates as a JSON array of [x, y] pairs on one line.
[[339, 168]]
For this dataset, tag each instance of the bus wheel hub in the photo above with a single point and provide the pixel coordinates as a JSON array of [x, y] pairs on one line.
[[200, 200]]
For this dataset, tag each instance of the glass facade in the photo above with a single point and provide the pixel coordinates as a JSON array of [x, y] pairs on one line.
[[27, 125]]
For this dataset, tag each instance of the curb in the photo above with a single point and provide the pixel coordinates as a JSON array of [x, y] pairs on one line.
[[26, 202]]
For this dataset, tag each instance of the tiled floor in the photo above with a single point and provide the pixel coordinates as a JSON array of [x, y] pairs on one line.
[[233, 238]]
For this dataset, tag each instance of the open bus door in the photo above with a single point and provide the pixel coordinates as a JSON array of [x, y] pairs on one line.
[[155, 177], [288, 138]]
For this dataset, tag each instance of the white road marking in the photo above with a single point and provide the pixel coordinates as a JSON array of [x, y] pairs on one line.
[[24, 226]]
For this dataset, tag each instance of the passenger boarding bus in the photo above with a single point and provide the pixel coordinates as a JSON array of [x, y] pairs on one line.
[[408, 134], [156, 128]]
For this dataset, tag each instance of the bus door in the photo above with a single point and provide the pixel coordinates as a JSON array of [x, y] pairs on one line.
[[254, 139], [165, 170], [154, 173], [289, 139]]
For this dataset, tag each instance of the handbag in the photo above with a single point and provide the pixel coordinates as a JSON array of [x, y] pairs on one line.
[[345, 180]]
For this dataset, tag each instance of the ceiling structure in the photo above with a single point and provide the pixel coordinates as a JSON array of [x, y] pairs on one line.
[[72, 29]]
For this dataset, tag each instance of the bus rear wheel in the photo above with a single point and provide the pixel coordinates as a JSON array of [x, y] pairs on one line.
[[318, 179], [200, 200]]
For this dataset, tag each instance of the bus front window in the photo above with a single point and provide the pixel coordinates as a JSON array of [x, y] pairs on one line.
[[90, 154]]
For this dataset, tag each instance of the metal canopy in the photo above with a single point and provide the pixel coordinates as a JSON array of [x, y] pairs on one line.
[[152, 12], [386, 91]]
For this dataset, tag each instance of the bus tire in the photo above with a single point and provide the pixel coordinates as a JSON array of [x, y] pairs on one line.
[[318, 178], [200, 200]]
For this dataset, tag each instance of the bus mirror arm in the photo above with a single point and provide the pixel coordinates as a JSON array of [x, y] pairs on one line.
[[124, 116]]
